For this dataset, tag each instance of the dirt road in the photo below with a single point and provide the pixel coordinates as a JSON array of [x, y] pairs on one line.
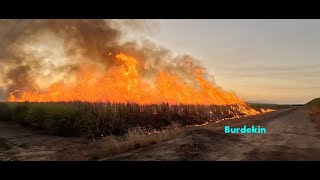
[[291, 135], [20, 143]]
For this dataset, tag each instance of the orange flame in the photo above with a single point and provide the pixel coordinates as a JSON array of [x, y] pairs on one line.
[[124, 84], [266, 110]]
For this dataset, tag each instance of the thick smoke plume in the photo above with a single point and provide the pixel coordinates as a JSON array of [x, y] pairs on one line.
[[36, 53]]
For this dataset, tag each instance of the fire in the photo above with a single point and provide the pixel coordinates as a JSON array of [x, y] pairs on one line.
[[199, 125], [124, 84], [266, 110]]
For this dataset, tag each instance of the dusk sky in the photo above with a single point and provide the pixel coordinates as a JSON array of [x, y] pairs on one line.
[[260, 60]]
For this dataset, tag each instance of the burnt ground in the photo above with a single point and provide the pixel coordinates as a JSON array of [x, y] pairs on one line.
[[291, 135]]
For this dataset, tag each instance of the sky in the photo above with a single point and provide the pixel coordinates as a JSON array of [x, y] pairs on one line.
[[274, 61], [271, 61]]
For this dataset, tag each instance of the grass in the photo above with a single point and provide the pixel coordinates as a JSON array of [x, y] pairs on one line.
[[313, 105], [5, 112], [137, 138], [101, 119], [4, 144], [112, 145], [313, 109]]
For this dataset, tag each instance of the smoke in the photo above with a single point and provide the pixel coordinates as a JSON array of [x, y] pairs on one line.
[[37, 53]]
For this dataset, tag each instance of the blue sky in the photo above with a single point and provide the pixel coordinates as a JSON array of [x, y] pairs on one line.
[[260, 60]]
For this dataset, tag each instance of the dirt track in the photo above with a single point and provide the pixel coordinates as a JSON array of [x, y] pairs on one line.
[[291, 135], [26, 144]]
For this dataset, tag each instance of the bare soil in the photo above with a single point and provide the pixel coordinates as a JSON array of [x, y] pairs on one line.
[[25, 144]]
